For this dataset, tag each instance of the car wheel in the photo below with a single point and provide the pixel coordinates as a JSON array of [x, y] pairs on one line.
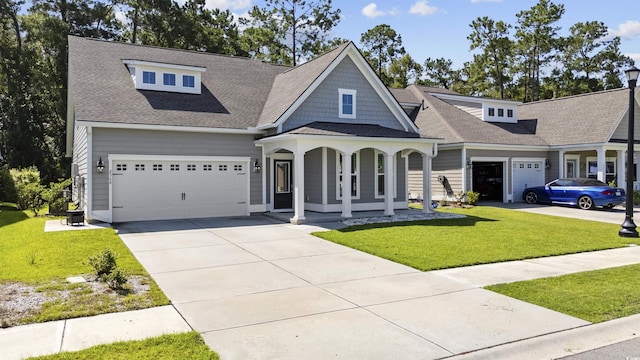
[[531, 197], [585, 203]]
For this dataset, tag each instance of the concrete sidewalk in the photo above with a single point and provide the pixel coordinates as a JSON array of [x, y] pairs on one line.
[[80, 333]]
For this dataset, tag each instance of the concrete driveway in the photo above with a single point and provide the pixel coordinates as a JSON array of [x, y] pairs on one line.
[[256, 289], [613, 216]]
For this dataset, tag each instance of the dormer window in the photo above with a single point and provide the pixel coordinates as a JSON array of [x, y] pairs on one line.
[[148, 77], [172, 77], [169, 79], [188, 81], [347, 103]]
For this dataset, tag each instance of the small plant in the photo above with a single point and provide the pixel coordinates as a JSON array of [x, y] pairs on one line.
[[104, 264], [472, 197], [460, 198], [32, 257], [116, 279]]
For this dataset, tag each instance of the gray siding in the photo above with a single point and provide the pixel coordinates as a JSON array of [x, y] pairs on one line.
[[150, 142], [313, 176], [322, 104], [80, 152], [620, 133], [472, 108], [447, 163]]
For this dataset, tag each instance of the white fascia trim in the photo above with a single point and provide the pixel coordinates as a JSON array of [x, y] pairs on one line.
[[528, 159], [177, 158], [480, 146], [591, 147], [473, 99], [97, 124], [165, 65], [347, 139], [489, 159]]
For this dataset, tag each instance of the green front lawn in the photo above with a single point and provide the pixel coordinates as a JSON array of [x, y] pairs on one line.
[[595, 296], [486, 235], [37, 263], [166, 347]]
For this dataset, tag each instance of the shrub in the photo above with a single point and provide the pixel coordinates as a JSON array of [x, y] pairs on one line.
[[53, 196], [636, 198], [103, 263], [116, 279], [472, 197], [28, 188], [7, 187]]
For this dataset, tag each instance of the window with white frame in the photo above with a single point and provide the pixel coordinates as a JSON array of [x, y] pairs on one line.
[[347, 103], [169, 79], [188, 81], [355, 175], [610, 168], [148, 77], [379, 180]]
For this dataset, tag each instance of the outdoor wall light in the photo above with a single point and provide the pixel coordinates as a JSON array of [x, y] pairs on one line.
[[547, 163], [100, 165], [256, 166], [469, 163]]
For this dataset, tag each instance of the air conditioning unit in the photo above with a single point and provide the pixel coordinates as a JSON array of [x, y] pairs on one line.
[[74, 170]]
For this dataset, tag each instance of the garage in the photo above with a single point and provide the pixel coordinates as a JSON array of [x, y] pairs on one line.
[[526, 174], [159, 189]]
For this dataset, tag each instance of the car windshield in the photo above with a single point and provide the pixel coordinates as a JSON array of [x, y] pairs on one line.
[[577, 182]]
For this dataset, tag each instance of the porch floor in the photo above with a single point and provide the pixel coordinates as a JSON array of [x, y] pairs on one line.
[[312, 217]]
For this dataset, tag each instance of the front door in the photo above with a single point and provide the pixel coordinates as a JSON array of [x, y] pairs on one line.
[[571, 168], [282, 195]]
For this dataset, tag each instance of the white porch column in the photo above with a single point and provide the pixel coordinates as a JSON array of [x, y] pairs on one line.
[[601, 164], [621, 169], [346, 184], [426, 184], [298, 188], [388, 184], [561, 164]]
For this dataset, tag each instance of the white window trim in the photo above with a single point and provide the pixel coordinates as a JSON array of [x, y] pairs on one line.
[[175, 80], [353, 94], [571, 157], [393, 173], [606, 160], [357, 175]]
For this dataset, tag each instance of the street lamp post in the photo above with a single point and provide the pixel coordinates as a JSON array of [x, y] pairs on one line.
[[628, 226]]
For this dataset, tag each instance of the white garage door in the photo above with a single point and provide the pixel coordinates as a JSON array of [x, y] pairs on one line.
[[158, 190], [526, 174]]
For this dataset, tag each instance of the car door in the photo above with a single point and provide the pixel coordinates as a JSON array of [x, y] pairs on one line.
[[557, 191]]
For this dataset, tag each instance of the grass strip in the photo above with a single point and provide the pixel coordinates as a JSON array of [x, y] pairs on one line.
[[594, 296], [167, 347], [486, 235]]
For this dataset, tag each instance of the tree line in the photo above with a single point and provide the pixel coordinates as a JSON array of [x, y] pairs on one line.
[[525, 61]]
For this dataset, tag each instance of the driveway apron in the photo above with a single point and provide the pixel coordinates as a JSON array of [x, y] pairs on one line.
[[264, 290]]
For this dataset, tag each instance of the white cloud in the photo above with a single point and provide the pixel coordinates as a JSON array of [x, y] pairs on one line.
[[228, 4], [635, 57], [422, 8], [629, 29], [371, 11]]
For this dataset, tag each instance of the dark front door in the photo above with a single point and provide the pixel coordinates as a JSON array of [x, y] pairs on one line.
[[282, 195], [488, 181]]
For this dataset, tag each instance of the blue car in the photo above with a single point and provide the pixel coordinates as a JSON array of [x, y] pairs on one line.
[[584, 192]]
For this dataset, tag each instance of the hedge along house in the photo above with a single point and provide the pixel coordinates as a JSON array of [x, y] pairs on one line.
[[157, 133], [497, 148]]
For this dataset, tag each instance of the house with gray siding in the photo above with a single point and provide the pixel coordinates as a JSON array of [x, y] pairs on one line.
[[498, 148], [158, 133]]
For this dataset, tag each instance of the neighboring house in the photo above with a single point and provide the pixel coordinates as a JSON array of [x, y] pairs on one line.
[[158, 133], [498, 148]]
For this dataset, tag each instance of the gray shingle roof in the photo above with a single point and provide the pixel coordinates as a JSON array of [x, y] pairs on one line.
[[234, 89], [358, 130], [581, 119], [441, 119]]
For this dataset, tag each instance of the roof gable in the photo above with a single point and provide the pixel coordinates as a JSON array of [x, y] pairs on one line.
[[292, 88]]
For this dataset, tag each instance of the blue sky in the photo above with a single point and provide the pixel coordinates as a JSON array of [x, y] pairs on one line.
[[439, 28]]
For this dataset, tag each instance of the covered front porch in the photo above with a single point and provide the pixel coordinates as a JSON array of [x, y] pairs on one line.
[[312, 169], [606, 163]]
